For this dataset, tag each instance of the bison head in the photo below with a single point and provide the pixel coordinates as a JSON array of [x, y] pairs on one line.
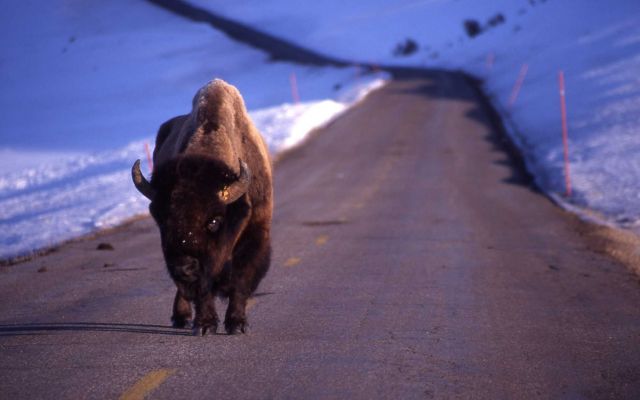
[[199, 207]]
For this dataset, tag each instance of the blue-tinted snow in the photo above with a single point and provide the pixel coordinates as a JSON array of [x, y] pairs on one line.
[[85, 84], [595, 43]]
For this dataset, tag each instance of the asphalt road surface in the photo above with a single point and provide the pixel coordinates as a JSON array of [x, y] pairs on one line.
[[411, 260]]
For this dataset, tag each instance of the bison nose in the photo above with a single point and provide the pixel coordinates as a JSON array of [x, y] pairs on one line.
[[186, 269]]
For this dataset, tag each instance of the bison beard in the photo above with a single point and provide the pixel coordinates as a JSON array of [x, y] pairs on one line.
[[211, 197]]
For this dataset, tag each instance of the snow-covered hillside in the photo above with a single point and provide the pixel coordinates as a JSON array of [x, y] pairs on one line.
[[595, 43], [85, 84]]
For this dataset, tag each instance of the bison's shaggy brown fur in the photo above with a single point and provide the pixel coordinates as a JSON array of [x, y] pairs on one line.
[[211, 196]]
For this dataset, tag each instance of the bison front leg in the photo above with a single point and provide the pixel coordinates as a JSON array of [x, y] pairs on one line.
[[181, 311], [206, 317], [250, 264], [235, 320]]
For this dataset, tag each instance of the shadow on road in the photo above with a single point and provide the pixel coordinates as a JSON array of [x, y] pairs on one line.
[[34, 329], [47, 328]]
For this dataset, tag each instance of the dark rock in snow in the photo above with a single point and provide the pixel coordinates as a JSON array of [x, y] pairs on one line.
[[104, 246], [405, 48], [472, 27]]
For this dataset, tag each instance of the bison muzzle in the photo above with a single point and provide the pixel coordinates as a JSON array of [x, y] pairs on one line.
[[211, 197]]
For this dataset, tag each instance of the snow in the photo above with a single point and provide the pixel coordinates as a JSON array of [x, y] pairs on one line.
[[85, 85], [596, 44]]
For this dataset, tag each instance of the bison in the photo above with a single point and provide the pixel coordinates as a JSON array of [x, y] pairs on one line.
[[211, 197]]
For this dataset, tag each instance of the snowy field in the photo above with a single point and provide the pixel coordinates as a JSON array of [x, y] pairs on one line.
[[85, 84], [595, 43]]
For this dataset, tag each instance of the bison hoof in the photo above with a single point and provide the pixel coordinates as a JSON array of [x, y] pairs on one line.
[[198, 331], [235, 327], [203, 330], [179, 322]]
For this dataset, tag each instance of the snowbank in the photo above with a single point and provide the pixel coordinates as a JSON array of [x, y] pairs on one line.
[[596, 44], [86, 85]]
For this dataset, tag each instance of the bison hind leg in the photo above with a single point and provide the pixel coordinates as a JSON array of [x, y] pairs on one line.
[[245, 280], [206, 320], [262, 262], [181, 311], [235, 320]]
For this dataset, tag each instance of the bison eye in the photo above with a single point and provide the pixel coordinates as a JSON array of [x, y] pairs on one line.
[[214, 224]]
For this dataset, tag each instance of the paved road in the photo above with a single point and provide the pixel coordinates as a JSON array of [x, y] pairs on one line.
[[411, 260]]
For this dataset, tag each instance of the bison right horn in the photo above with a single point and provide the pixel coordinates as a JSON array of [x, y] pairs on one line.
[[232, 193], [142, 184]]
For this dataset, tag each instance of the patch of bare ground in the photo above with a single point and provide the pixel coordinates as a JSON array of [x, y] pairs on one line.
[[621, 244]]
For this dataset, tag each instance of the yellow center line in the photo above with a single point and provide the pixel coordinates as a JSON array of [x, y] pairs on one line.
[[292, 262], [147, 384], [322, 240]]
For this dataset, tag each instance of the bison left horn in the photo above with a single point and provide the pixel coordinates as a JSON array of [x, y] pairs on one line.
[[233, 192], [142, 184]]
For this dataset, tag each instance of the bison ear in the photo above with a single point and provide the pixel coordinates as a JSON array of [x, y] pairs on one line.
[[231, 193], [142, 184]]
